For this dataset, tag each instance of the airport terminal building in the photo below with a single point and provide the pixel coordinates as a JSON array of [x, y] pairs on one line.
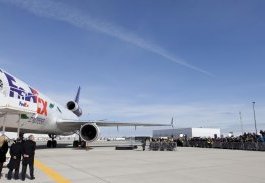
[[189, 132]]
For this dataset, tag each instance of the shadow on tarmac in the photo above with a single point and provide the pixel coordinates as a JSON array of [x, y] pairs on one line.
[[43, 145]]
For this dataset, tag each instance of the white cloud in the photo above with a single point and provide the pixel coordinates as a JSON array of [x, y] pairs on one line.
[[62, 12]]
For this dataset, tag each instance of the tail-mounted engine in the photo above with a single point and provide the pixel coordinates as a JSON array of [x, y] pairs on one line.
[[89, 132], [74, 107]]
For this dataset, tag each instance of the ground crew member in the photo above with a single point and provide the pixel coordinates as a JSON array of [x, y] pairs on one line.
[[14, 163], [144, 144], [28, 152], [3, 151]]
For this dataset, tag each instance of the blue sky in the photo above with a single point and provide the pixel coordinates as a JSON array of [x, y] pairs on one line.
[[199, 61]]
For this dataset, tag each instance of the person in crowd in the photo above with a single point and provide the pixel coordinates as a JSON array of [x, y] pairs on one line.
[[209, 142], [3, 151], [28, 152], [14, 163]]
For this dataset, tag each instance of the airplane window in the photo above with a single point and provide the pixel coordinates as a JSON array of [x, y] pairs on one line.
[[1, 84]]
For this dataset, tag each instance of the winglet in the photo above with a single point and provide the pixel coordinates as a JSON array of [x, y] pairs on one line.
[[77, 95]]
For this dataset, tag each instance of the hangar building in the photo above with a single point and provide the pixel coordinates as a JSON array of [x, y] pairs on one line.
[[189, 132]]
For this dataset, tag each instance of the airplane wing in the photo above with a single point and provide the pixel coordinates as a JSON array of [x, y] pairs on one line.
[[76, 124]]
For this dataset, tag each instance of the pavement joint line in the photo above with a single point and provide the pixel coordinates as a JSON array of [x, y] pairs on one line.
[[57, 177]]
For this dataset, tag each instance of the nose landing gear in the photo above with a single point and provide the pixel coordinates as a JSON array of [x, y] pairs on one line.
[[52, 143]]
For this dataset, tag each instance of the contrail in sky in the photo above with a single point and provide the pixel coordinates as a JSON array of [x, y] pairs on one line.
[[62, 12]]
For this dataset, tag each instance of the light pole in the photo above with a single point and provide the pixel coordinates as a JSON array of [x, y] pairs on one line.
[[241, 123], [255, 117]]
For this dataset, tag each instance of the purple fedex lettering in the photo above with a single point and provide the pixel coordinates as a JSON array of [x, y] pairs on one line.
[[32, 95], [20, 91], [13, 88], [11, 80]]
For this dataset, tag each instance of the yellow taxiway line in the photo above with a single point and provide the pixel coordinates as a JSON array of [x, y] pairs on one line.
[[57, 177]]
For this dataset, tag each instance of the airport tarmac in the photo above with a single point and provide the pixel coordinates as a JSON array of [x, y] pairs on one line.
[[107, 165]]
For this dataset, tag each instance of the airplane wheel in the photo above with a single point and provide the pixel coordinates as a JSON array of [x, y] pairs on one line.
[[49, 143], [54, 143], [75, 144], [83, 144]]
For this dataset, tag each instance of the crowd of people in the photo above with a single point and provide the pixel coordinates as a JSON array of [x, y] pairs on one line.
[[246, 141], [162, 145], [20, 150]]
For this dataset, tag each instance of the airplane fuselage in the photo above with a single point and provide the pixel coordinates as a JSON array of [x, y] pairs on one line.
[[28, 109], [24, 109]]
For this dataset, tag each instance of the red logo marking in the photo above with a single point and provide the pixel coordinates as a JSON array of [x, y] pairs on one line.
[[42, 107]]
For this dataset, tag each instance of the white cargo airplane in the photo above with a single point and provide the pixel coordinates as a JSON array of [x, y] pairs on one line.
[[23, 109]]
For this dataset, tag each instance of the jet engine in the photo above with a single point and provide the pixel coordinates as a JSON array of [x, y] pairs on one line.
[[89, 132], [74, 107]]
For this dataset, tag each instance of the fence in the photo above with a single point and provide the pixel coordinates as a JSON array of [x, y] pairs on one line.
[[250, 146]]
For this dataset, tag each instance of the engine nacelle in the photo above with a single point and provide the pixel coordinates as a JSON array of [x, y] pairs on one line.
[[89, 132], [74, 107]]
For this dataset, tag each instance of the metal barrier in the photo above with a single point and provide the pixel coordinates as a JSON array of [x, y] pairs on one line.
[[261, 146], [249, 146]]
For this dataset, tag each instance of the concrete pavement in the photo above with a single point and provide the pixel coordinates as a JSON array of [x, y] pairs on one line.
[[186, 165]]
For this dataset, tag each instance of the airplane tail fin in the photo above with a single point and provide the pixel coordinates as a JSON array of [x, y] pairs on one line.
[[74, 105], [77, 95]]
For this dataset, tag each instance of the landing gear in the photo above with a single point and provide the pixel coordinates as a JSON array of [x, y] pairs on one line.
[[49, 143], [83, 144], [79, 143], [52, 143], [75, 144]]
